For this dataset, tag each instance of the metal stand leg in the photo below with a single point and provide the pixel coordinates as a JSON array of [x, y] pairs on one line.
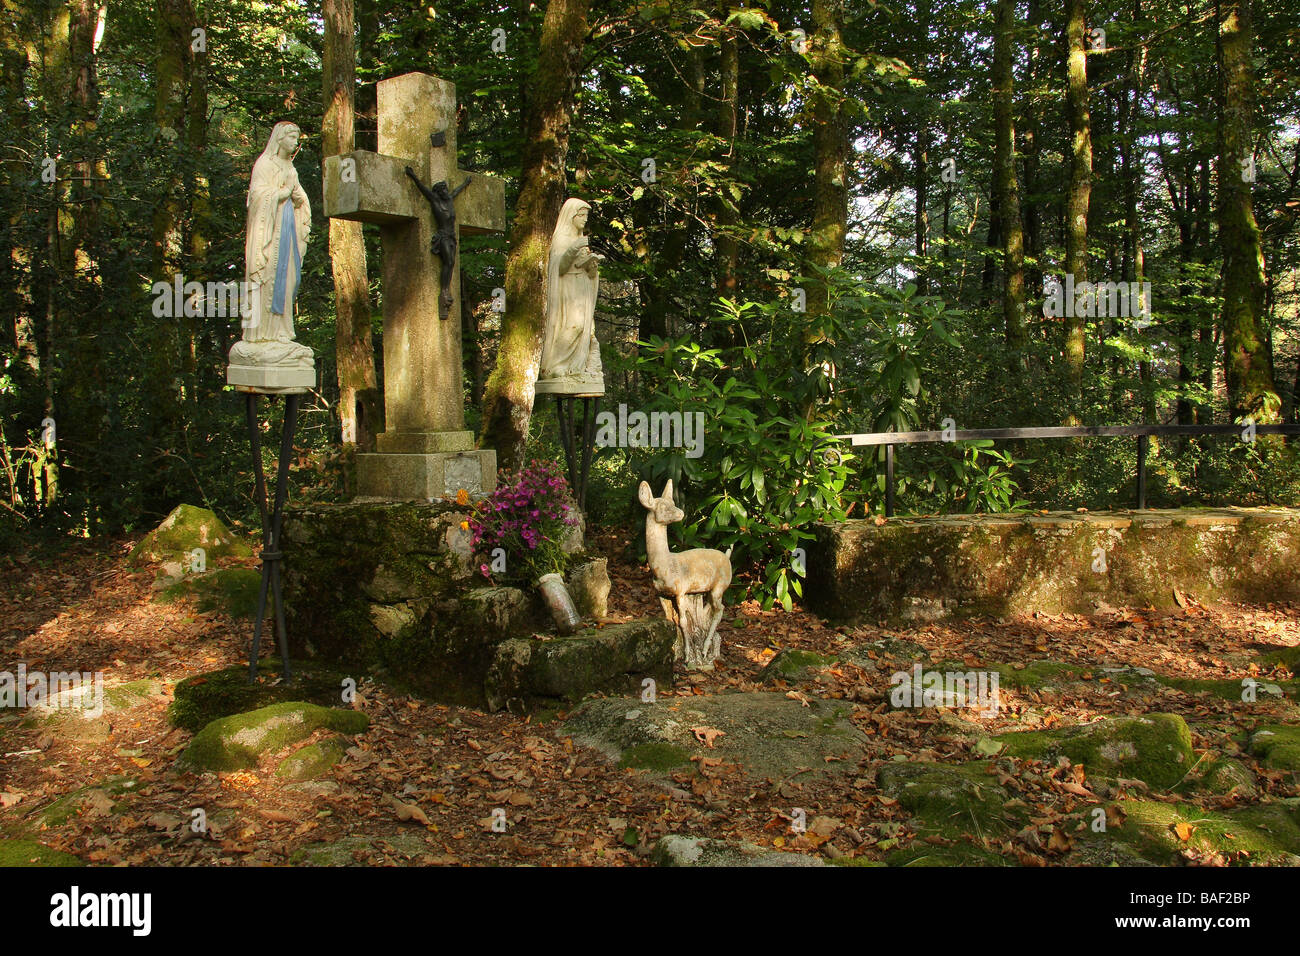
[[578, 441], [271, 554]]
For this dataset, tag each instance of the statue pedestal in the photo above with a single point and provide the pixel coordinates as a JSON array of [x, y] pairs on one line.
[[570, 388], [271, 379], [425, 466]]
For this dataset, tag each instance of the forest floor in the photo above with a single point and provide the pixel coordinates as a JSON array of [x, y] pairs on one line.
[[113, 796]]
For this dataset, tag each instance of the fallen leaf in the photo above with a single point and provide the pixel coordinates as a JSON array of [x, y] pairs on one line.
[[408, 811], [706, 735]]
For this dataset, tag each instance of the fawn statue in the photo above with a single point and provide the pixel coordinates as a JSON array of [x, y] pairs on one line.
[[690, 584]]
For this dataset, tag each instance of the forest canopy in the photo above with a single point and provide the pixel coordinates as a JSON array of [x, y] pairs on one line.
[[815, 219]]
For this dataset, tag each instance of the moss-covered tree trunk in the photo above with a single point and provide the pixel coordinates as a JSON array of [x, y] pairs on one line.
[[359, 402], [508, 402], [1006, 191], [1079, 194], [830, 145], [1247, 369]]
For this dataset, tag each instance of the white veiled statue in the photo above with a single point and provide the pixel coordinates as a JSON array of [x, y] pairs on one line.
[[279, 220], [570, 352]]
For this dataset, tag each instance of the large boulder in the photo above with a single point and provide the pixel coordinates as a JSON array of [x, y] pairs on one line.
[[240, 741], [766, 734], [232, 591], [202, 698], [185, 529]]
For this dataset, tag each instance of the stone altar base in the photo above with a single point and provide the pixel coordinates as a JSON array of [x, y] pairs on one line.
[[391, 588], [911, 569], [419, 466]]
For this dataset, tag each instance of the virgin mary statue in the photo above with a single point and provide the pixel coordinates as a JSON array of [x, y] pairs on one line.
[[279, 219], [570, 352]]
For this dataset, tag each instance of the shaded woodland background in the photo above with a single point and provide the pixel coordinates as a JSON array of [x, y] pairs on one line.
[[918, 169]]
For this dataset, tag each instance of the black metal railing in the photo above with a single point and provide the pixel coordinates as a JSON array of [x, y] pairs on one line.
[[1142, 433]]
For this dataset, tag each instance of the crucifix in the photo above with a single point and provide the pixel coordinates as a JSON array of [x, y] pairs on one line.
[[425, 451]]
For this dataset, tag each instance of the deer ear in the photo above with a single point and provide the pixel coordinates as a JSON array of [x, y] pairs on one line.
[[668, 491], [645, 495]]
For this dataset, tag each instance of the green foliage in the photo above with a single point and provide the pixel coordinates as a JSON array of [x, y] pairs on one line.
[[769, 467]]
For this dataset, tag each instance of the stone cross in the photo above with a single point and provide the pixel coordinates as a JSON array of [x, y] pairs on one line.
[[425, 451]]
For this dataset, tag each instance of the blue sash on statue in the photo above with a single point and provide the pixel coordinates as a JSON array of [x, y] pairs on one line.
[[288, 248]]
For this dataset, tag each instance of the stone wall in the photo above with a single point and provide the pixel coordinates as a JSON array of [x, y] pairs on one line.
[[391, 588], [929, 568]]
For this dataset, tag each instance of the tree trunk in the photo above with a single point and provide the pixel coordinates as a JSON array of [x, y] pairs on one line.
[[830, 147], [1006, 191], [921, 165], [360, 406], [174, 21], [728, 115], [508, 403], [1247, 370], [1080, 188]]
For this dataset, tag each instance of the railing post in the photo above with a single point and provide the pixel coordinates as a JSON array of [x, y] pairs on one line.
[[889, 481], [1143, 441]]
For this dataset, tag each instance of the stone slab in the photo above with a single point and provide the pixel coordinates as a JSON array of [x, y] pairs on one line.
[[528, 671], [424, 443]]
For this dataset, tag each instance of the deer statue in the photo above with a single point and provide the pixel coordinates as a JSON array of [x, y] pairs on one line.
[[690, 584]]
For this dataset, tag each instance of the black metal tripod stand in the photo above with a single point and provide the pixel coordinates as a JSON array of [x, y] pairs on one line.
[[578, 440], [271, 553]]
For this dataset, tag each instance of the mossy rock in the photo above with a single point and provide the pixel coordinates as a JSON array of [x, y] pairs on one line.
[[232, 591], [683, 851], [1035, 674], [312, 761], [125, 696], [1220, 778], [616, 658], [792, 664], [949, 799], [1156, 748], [1266, 833], [203, 698], [409, 842], [57, 813], [1288, 657], [955, 854], [185, 529], [239, 741], [655, 755], [766, 733], [1278, 746], [1233, 690], [31, 853]]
